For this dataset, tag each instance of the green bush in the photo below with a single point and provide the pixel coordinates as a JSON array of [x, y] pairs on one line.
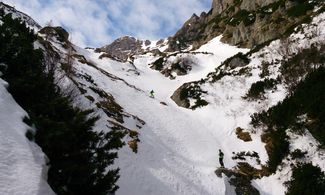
[[258, 89], [284, 115], [297, 154], [279, 149], [300, 8], [199, 103], [306, 179], [302, 63], [159, 64], [27, 121], [30, 135], [243, 57], [79, 156]]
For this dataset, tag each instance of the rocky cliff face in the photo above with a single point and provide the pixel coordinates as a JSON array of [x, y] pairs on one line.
[[124, 47], [189, 33], [243, 22], [218, 6]]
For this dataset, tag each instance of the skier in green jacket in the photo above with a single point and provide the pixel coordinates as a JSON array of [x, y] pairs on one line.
[[152, 94]]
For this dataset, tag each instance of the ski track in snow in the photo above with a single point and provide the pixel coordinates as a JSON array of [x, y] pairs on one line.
[[178, 152]]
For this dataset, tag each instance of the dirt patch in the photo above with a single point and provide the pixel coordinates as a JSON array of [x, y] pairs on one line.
[[133, 144], [245, 136]]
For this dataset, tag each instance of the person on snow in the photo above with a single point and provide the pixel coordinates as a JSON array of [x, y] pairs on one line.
[[221, 158], [152, 94]]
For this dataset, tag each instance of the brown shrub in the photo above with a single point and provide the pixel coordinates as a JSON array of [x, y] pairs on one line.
[[245, 136], [133, 144]]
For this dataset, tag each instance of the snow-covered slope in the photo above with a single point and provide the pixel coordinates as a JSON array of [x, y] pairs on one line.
[[177, 148], [178, 152], [22, 163], [30, 22], [228, 106]]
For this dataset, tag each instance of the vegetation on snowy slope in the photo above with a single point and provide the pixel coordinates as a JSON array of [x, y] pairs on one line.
[[299, 65], [193, 91], [258, 88], [308, 100], [78, 156], [187, 92], [306, 179], [176, 64]]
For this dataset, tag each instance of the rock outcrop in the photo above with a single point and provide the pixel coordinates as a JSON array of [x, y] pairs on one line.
[[219, 6], [125, 47], [243, 22], [60, 33], [189, 33], [178, 97]]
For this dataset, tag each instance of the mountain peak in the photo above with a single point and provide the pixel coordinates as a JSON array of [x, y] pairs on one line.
[[124, 47]]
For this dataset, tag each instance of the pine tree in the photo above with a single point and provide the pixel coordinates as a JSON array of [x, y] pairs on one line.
[[79, 156]]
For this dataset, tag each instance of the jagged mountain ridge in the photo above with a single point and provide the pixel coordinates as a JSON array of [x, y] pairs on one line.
[[126, 85], [245, 23], [241, 22], [125, 47]]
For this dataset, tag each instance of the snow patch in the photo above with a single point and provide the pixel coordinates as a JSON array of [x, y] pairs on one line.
[[22, 163]]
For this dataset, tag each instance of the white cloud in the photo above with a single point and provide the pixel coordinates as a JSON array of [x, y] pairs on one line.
[[98, 22]]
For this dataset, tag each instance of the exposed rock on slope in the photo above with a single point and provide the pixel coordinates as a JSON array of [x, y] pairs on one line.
[[189, 33], [124, 47], [60, 33], [218, 6]]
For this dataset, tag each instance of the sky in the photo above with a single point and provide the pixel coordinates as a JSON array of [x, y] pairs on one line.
[[96, 23]]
